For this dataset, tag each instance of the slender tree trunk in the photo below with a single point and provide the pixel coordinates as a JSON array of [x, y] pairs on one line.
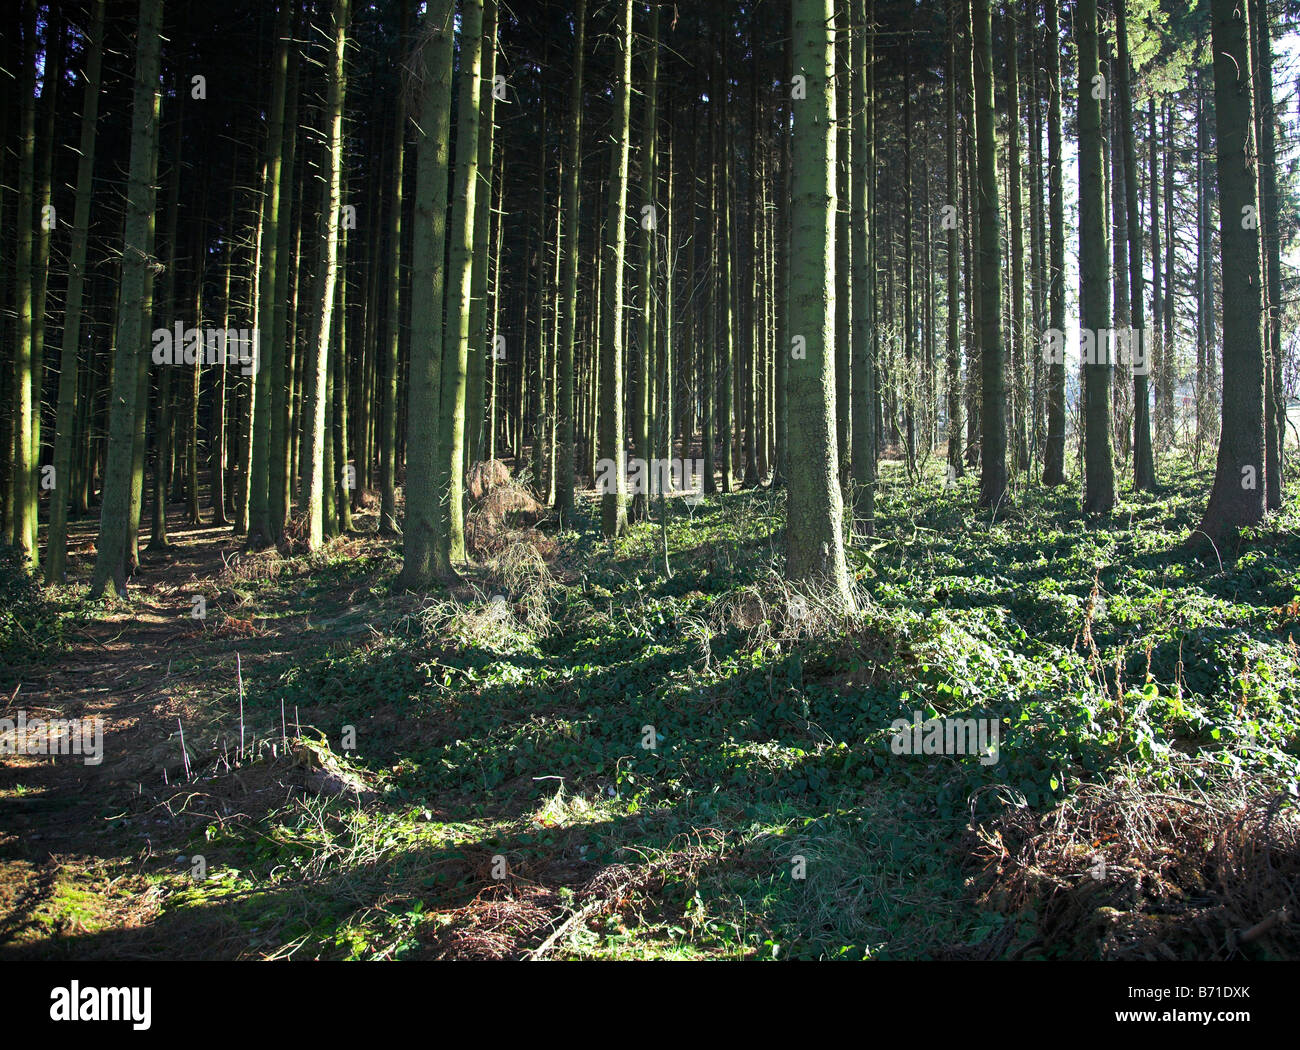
[[1020, 439], [135, 305], [23, 518], [260, 392], [1270, 227], [993, 408], [451, 479], [1094, 270], [814, 536], [57, 543], [313, 498], [1054, 450], [393, 314], [1144, 470], [479, 350], [843, 232], [1238, 497], [613, 503], [862, 390], [569, 303]]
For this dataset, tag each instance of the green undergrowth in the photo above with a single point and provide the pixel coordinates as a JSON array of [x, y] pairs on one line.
[[700, 765]]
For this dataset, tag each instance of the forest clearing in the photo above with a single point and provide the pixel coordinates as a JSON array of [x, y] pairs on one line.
[[619, 480]]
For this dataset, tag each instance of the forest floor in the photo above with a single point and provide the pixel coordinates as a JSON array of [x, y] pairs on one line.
[[469, 773]]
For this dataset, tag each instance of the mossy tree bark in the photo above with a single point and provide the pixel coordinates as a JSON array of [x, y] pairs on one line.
[[430, 88], [613, 502], [1238, 496], [135, 306], [814, 538]]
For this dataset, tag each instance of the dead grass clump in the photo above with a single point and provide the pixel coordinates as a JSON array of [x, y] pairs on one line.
[[508, 612], [233, 627], [1123, 871], [294, 539], [495, 924], [252, 566], [777, 610], [505, 515], [482, 623], [484, 476]]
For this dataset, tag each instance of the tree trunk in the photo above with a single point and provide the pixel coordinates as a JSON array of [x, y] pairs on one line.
[[312, 499], [1094, 270], [613, 502], [57, 543], [1238, 496], [862, 391], [135, 305], [814, 538], [455, 346], [430, 87], [993, 408], [569, 302]]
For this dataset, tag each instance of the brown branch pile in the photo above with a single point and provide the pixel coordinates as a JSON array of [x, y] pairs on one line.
[[1120, 871]]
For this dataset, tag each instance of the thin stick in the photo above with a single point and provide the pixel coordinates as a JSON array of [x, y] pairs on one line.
[[239, 674], [184, 754]]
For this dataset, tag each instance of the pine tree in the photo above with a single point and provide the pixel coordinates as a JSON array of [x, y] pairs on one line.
[[993, 409], [564, 482], [1094, 269], [814, 540], [313, 497], [135, 306], [1238, 497], [613, 504], [57, 544]]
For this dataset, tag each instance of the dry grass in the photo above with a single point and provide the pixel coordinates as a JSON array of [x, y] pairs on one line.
[[1127, 872]]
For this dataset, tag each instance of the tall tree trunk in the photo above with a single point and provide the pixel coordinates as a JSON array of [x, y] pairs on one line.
[[455, 346], [313, 497], [135, 305], [814, 536], [479, 350], [393, 313], [569, 302], [643, 355], [22, 478], [1159, 362], [1270, 228], [1238, 496], [1021, 440], [1054, 450], [57, 542], [993, 407], [613, 502], [287, 372], [260, 392], [1094, 270], [431, 109], [862, 390], [843, 233], [1144, 470]]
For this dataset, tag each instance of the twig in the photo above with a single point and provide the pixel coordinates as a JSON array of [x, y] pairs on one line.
[[239, 674], [184, 754]]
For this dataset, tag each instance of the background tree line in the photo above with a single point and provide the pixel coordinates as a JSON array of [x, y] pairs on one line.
[[788, 239]]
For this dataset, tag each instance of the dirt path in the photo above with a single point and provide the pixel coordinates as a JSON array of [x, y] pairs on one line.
[[140, 668]]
